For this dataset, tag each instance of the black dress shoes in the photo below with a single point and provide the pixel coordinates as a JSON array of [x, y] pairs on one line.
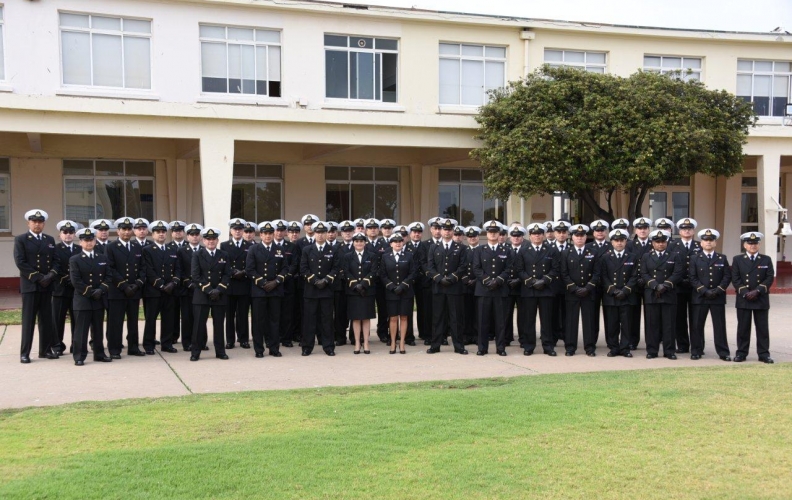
[[682, 351], [306, 352], [412, 343], [480, 353], [115, 356], [170, 349], [725, 358], [739, 359], [48, 355], [628, 354], [103, 360], [427, 342], [229, 345], [193, 358], [340, 342], [551, 353], [24, 359], [444, 342], [222, 356], [150, 352], [591, 354], [244, 345], [259, 354], [695, 357], [767, 359], [287, 344], [632, 347], [527, 353], [569, 353], [670, 356], [205, 348], [462, 351], [432, 350], [275, 354], [651, 356], [501, 353], [79, 362], [136, 353], [330, 353], [156, 342], [612, 354]]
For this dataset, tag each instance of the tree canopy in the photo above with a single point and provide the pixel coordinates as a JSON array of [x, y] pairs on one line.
[[563, 129]]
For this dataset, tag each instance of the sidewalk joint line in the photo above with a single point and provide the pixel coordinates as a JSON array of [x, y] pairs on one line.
[[5, 328], [519, 366], [174, 372]]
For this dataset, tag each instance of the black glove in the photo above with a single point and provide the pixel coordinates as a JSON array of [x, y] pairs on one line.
[[539, 284], [620, 294], [47, 279], [493, 284], [360, 289], [399, 290], [214, 295], [686, 282], [513, 283], [238, 274], [661, 289], [320, 283], [97, 294], [445, 282], [168, 289], [582, 292], [752, 295], [710, 294], [191, 286], [270, 285], [130, 290], [641, 282]]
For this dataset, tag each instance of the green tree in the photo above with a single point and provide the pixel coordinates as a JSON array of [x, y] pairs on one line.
[[563, 129]]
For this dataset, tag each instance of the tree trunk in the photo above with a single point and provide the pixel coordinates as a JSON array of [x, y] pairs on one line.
[[589, 198]]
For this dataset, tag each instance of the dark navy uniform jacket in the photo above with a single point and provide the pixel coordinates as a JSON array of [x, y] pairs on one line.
[[750, 275], [709, 274], [488, 265], [87, 275], [209, 273], [34, 259], [125, 268]]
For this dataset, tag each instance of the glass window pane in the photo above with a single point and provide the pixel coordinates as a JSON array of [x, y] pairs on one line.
[[780, 91], [261, 70], [110, 199], [140, 199], [389, 77], [473, 50], [672, 62], [692, 63], [109, 167], [213, 67], [681, 203], [448, 175], [553, 55], [137, 63], [139, 168], [595, 69], [449, 81], [652, 61], [74, 20], [497, 52], [274, 70], [743, 65], [471, 175], [494, 75], [362, 200], [248, 58], [595, 57], [365, 75], [337, 202], [749, 182], [764, 66], [658, 205], [692, 76], [761, 94], [76, 58], [387, 174], [269, 171], [386, 201], [781, 67], [5, 203], [268, 36], [244, 170], [107, 60], [362, 173], [361, 42], [744, 85], [268, 201], [77, 167], [137, 26], [79, 200], [234, 69], [336, 74], [473, 83], [471, 207], [4, 165], [245, 34], [243, 200], [386, 44], [212, 32], [749, 213], [571, 56], [336, 41], [106, 23], [448, 201], [2, 58], [336, 174], [449, 49]]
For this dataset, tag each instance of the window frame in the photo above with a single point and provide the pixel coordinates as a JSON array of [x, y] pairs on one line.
[[91, 31], [584, 65], [349, 50], [243, 179], [752, 226], [254, 44], [772, 74], [500, 205], [3, 77], [123, 178], [484, 59], [685, 72], [670, 190], [373, 182], [7, 176]]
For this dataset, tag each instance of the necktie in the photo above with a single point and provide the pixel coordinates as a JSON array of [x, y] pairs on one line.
[[709, 256], [360, 258], [321, 249], [127, 246], [448, 245], [619, 255], [537, 249], [211, 254], [162, 247], [561, 248], [38, 237], [580, 252], [90, 255], [752, 258], [687, 246], [268, 248]]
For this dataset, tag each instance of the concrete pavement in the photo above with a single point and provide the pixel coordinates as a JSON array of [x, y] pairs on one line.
[[51, 382]]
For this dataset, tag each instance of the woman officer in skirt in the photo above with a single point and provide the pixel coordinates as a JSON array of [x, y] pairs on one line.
[[360, 268], [397, 273]]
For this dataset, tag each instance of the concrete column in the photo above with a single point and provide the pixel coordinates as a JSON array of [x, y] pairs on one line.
[[768, 172], [727, 215], [217, 174], [526, 36]]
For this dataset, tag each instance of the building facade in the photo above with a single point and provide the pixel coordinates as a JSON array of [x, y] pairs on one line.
[[206, 109]]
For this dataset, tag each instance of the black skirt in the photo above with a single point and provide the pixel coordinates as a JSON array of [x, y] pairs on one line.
[[360, 307], [400, 307]]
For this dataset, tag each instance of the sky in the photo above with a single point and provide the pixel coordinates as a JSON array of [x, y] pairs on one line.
[[725, 15]]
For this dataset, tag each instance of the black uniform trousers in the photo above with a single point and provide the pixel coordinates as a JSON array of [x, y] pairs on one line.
[[116, 311], [382, 313], [683, 313], [177, 323], [37, 305], [699, 319], [85, 320], [559, 317], [744, 331], [573, 312], [470, 323], [156, 306], [287, 317], [186, 312], [296, 312], [512, 302], [340, 318], [317, 321], [61, 306], [237, 328], [446, 311], [425, 316], [661, 319], [489, 313], [420, 312], [266, 323], [530, 306], [635, 320], [200, 334], [617, 328]]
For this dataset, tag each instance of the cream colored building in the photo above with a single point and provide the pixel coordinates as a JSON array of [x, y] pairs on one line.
[[195, 110]]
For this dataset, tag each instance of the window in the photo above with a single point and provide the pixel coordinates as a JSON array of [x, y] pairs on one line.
[[257, 192], [765, 84], [5, 196], [672, 200], [467, 72], [749, 204], [361, 68], [689, 67], [240, 60], [461, 197], [352, 192], [2, 48], [104, 51], [589, 61], [108, 189]]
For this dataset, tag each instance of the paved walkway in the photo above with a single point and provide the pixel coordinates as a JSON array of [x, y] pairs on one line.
[[51, 382]]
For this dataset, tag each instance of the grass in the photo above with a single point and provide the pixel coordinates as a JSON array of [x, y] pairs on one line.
[[719, 432]]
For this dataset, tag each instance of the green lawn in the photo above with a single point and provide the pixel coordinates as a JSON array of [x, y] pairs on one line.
[[721, 432]]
